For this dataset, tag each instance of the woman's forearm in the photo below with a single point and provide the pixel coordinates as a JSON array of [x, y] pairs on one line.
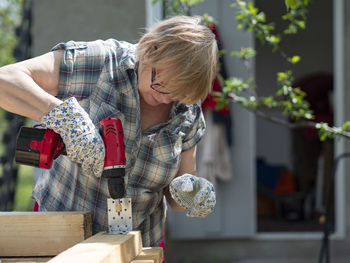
[[21, 94]]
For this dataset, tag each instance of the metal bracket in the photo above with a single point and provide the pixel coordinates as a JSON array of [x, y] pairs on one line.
[[119, 215]]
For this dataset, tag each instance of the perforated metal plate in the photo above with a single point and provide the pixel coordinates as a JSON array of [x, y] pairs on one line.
[[119, 215]]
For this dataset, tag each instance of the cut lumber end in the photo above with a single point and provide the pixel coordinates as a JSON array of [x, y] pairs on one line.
[[32, 234], [103, 248], [150, 253]]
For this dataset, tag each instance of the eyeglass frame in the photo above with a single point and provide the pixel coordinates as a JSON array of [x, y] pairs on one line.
[[152, 86]]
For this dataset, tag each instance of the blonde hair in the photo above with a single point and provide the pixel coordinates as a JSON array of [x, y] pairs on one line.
[[187, 53]]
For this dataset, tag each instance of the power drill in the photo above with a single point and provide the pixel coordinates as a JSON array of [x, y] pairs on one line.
[[39, 147]]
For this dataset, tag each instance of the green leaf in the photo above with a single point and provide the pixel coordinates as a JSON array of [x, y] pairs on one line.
[[294, 59], [191, 2], [209, 20], [269, 102], [273, 39], [235, 53], [301, 24], [253, 11], [291, 4], [282, 76], [244, 53], [346, 126], [9, 19]]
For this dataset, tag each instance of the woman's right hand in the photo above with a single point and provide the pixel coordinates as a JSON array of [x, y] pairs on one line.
[[83, 142]]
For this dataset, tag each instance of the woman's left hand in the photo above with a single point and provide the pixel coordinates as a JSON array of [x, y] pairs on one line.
[[195, 194]]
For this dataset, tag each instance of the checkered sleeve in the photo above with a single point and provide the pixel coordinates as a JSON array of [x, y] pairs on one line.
[[196, 129], [80, 68]]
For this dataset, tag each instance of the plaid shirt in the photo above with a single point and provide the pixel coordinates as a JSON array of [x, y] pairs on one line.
[[101, 75]]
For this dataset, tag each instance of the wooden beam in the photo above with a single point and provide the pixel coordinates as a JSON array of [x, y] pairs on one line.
[[103, 248], [30, 234], [25, 260], [154, 254]]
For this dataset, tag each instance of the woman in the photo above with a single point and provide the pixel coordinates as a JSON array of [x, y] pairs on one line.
[[154, 87]]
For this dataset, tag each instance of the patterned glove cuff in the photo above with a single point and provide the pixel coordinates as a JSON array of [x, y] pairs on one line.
[[68, 113], [182, 190], [83, 142], [200, 201]]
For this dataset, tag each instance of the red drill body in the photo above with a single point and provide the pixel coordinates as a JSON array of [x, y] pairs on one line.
[[39, 147], [115, 161], [113, 138]]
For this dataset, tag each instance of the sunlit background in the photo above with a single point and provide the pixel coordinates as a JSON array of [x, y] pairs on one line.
[[273, 181]]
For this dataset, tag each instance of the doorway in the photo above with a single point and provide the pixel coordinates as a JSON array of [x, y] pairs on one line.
[[294, 168]]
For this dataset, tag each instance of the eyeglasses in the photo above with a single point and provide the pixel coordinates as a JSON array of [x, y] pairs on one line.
[[156, 86]]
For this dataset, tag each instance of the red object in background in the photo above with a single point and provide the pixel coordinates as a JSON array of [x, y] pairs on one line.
[[210, 102], [318, 88], [285, 183], [36, 207]]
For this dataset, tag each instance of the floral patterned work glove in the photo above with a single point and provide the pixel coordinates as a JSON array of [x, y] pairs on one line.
[[195, 194], [83, 142]]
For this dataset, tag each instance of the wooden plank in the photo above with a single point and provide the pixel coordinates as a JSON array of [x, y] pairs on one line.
[[30, 234], [103, 248], [155, 254], [25, 260]]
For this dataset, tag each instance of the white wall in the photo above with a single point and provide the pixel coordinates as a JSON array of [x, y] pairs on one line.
[[232, 216], [57, 21]]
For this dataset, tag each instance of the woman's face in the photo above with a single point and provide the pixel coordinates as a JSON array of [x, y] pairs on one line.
[[151, 94]]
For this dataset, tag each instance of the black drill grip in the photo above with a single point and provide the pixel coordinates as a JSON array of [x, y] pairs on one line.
[[116, 185]]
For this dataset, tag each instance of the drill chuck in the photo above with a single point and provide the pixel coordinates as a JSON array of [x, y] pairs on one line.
[[115, 179]]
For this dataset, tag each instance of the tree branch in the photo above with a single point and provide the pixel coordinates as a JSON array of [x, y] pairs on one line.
[[293, 125]]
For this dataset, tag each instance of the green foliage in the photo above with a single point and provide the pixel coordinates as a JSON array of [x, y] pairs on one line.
[[250, 18], [209, 20], [294, 59], [9, 19], [177, 7], [291, 4], [245, 53], [296, 15], [290, 100], [182, 7], [7, 44], [24, 187], [293, 102], [346, 126], [10, 14]]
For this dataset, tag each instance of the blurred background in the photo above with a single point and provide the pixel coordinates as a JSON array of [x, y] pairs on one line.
[[272, 183]]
